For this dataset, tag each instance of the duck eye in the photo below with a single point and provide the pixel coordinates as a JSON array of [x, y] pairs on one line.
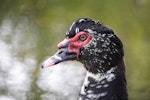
[[82, 37]]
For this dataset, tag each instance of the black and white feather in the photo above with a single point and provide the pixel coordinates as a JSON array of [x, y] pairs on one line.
[[103, 60]]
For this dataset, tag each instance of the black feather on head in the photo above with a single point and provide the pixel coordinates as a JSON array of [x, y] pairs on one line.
[[103, 51]]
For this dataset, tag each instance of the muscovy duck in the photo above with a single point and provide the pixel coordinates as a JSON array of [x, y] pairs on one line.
[[101, 52]]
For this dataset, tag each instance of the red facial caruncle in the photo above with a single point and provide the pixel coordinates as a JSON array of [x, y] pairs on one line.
[[75, 43]]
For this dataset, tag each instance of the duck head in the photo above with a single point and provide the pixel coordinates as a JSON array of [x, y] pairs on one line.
[[91, 43]]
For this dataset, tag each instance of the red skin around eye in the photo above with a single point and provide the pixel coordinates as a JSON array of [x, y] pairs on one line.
[[75, 44]]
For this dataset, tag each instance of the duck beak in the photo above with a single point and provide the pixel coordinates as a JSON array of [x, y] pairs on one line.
[[64, 53], [68, 49]]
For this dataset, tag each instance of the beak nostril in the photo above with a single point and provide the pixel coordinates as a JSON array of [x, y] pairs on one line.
[[42, 66], [60, 52]]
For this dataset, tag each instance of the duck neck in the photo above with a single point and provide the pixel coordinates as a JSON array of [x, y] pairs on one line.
[[110, 85]]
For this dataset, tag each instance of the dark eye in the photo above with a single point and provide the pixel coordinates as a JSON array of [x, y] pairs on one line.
[[82, 37]]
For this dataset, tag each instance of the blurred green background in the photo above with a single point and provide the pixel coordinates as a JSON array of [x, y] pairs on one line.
[[34, 27]]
